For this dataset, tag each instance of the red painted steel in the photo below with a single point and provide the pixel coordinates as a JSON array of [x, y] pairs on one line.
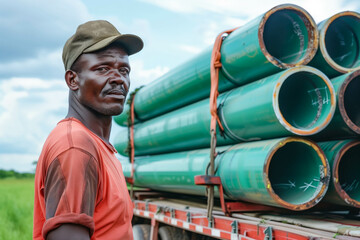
[[229, 207], [223, 227], [154, 229]]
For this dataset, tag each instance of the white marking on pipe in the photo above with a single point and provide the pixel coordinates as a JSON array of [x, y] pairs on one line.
[[285, 185], [307, 185]]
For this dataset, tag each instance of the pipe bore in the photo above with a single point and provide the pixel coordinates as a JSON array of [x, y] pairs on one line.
[[349, 101], [297, 173], [340, 41], [305, 101], [346, 176], [289, 36]]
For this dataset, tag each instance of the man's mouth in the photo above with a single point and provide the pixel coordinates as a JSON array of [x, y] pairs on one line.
[[117, 93]]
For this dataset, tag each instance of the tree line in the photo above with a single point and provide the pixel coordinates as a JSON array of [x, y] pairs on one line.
[[14, 174]]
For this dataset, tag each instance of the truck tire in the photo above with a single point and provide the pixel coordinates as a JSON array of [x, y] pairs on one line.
[[141, 231], [172, 233]]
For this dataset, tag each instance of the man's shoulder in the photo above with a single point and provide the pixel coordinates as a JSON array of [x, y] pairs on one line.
[[70, 133]]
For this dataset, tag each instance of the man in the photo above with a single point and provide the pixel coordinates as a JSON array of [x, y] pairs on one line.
[[80, 190]]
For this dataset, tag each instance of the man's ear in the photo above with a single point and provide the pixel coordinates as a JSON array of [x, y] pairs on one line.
[[72, 80]]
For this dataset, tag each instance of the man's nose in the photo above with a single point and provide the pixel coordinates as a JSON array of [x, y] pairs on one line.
[[118, 78]]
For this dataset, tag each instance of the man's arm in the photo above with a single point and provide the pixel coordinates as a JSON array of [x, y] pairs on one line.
[[68, 232], [70, 192]]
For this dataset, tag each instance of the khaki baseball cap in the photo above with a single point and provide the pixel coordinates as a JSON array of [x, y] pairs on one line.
[[95, 35]]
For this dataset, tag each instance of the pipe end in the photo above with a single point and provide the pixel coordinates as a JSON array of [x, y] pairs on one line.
[[297, 173]]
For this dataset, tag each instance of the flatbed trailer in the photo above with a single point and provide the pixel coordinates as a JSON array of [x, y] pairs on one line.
[[168, 216]]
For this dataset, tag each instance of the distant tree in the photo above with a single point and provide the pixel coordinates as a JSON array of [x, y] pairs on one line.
[[34, 163], [14, 174], [4, 174]]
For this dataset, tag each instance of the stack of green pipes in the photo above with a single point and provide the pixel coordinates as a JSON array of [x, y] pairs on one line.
[[289, 104]]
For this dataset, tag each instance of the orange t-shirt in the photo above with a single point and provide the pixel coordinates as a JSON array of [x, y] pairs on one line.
[[79, 180]]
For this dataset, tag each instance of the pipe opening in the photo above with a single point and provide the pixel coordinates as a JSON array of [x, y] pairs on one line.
[[286, 36], [348, 172], [294, 173], [342, 41], [352, 100], [304, 100]]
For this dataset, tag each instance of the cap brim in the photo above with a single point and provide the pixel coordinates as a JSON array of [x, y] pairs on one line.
[[132, 43]]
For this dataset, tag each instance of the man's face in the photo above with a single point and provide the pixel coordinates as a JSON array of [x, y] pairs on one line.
[[103, 80]]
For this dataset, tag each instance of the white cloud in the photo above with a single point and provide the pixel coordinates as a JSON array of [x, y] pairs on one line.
[[213, 29], [18, 162], [31, 107], [32, 26], [44, 64], [190, 49], [319, 9], [234, 22], [142, 76], [177, 6]]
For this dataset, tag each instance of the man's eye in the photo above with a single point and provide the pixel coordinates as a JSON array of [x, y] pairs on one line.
[[124, 70], [102, 69]]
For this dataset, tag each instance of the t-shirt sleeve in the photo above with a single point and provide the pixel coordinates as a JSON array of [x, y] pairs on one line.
[[70, 190]]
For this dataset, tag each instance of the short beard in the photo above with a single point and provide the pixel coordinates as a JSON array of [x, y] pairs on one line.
[[111, 112], [106, 111]]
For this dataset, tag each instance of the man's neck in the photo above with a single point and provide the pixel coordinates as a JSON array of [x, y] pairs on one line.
[[98, 124]]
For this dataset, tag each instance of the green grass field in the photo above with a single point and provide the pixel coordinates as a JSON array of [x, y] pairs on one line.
[[16, 208]]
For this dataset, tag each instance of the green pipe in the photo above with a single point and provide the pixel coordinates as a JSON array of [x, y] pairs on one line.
[[297, 101], [284, 37], [290, 172], [346, 120], [339, 44], [344, 161]]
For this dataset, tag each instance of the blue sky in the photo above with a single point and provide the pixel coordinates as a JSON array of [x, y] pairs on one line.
[[33, 94]]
